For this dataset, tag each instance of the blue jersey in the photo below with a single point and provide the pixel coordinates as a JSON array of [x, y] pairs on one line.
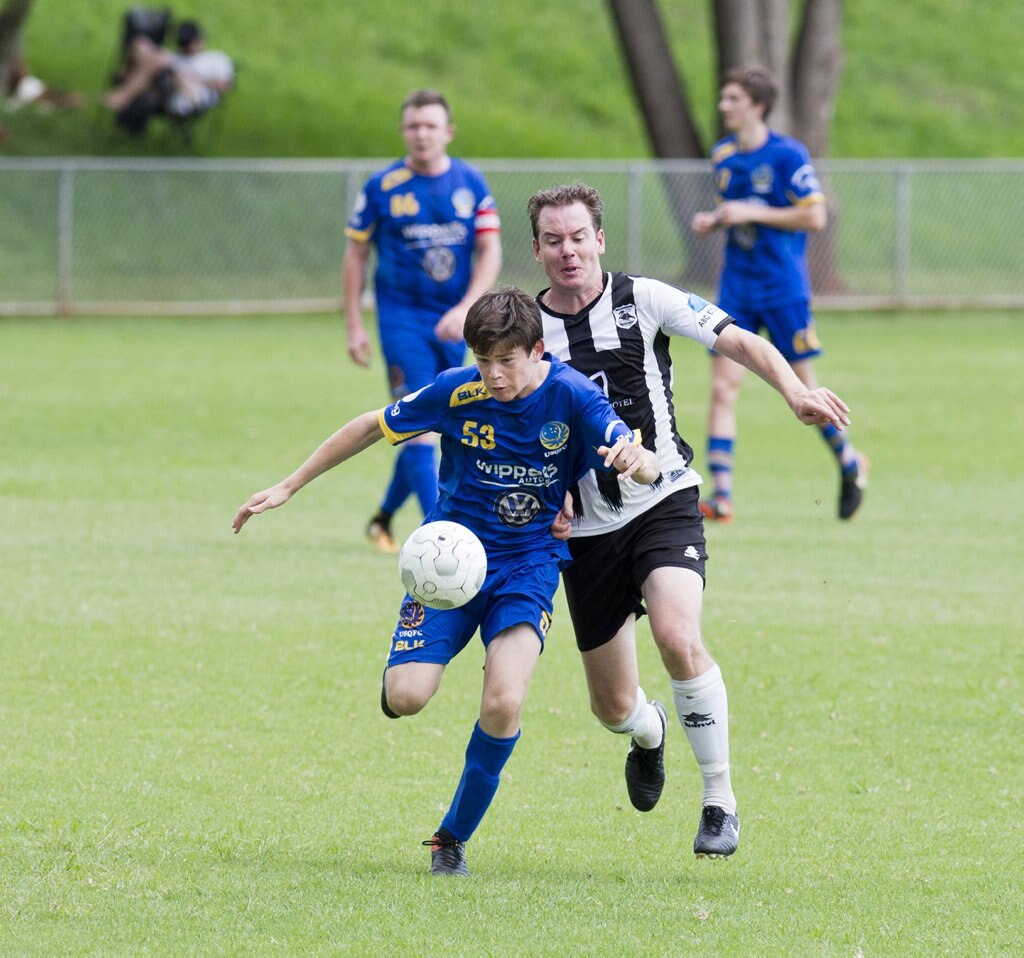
[[506, 466], [424, 228], [765, 266]]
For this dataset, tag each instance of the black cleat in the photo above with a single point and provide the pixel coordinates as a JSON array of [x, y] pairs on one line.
[[645, 769], [851, 489], [718, 834], [447, 854]]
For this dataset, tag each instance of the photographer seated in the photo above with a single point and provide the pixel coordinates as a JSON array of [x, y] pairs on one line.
[[178, 85]]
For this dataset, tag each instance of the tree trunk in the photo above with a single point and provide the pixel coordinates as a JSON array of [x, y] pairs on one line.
[[12, 16], [657, 84], [752, 33], [665, 107], [747, 33], [817, 65]]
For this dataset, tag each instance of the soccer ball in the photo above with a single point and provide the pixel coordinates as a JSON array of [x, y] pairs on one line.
[[443, 565]]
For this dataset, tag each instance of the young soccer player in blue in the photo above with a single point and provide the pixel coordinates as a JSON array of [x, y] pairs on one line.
[[518, 429], [770, 200], [435, 227]]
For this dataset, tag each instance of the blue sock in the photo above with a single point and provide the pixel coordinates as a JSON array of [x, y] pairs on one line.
[[485, 758], [420, 469], [720, 454], [398, 489], [841, 447]]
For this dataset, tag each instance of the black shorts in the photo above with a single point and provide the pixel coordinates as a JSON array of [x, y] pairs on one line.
[[602, 584]]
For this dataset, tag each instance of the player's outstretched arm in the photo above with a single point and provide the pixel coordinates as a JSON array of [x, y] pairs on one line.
[[813, 407], [350, 440]]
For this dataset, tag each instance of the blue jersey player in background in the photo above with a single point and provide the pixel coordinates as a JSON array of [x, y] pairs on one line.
[[770, 200], [435, 228], [518, 429]]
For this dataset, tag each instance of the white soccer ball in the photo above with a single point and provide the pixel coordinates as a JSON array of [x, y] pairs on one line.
[[443, 565]]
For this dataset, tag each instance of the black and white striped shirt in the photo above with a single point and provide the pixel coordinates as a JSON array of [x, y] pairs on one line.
[[621, 341]]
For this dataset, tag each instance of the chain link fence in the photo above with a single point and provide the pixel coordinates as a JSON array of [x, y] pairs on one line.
[[99, 236]]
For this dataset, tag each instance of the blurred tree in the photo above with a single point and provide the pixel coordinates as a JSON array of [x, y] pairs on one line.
[[747, 33], [12, 15]]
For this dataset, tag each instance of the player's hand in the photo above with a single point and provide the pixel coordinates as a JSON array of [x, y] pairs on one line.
[[359, 346], [449, 326], [819, 407], [734, 213], [704, 223], [562, 526], [260, 502], [624, 456]]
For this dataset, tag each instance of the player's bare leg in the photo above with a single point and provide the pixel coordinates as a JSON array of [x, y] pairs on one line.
[[853, 465], [674, 600], [622, 707], [408, 686], [726, 379], [508, 667]]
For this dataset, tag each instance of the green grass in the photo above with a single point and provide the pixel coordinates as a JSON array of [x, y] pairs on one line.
[[193, 756], [538, 79]]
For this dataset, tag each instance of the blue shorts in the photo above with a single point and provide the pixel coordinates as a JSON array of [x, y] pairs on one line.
[[790, 328], [413, 354], [513, 594]]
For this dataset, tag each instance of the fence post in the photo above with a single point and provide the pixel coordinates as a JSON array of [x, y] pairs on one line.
[[903, 203], [634, 227], [65, 203]]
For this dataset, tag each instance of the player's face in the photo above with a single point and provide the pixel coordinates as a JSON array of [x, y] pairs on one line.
[[737, 109], [427, 133], [569, 249], [511, 373]]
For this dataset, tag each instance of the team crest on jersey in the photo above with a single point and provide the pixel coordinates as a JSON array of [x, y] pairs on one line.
[[554, 435], [625, 316], [745, 235], [517, 508], [762, 178], [439, 263], [463, 202], [412, 614]]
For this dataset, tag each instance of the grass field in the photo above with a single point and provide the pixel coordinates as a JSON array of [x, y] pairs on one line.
[[194, 761]]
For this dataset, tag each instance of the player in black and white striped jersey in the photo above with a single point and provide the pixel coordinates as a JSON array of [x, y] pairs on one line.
[[616, 328]]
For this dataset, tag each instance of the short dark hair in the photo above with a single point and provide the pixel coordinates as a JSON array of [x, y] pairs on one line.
[[566, 196], [757, 84], [507, 317], [188, 32], [419, 98]]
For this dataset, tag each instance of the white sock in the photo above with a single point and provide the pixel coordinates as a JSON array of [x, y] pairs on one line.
[[703, 709], [643, 724]]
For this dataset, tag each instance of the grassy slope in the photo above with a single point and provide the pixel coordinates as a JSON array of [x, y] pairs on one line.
[[531, 79]]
